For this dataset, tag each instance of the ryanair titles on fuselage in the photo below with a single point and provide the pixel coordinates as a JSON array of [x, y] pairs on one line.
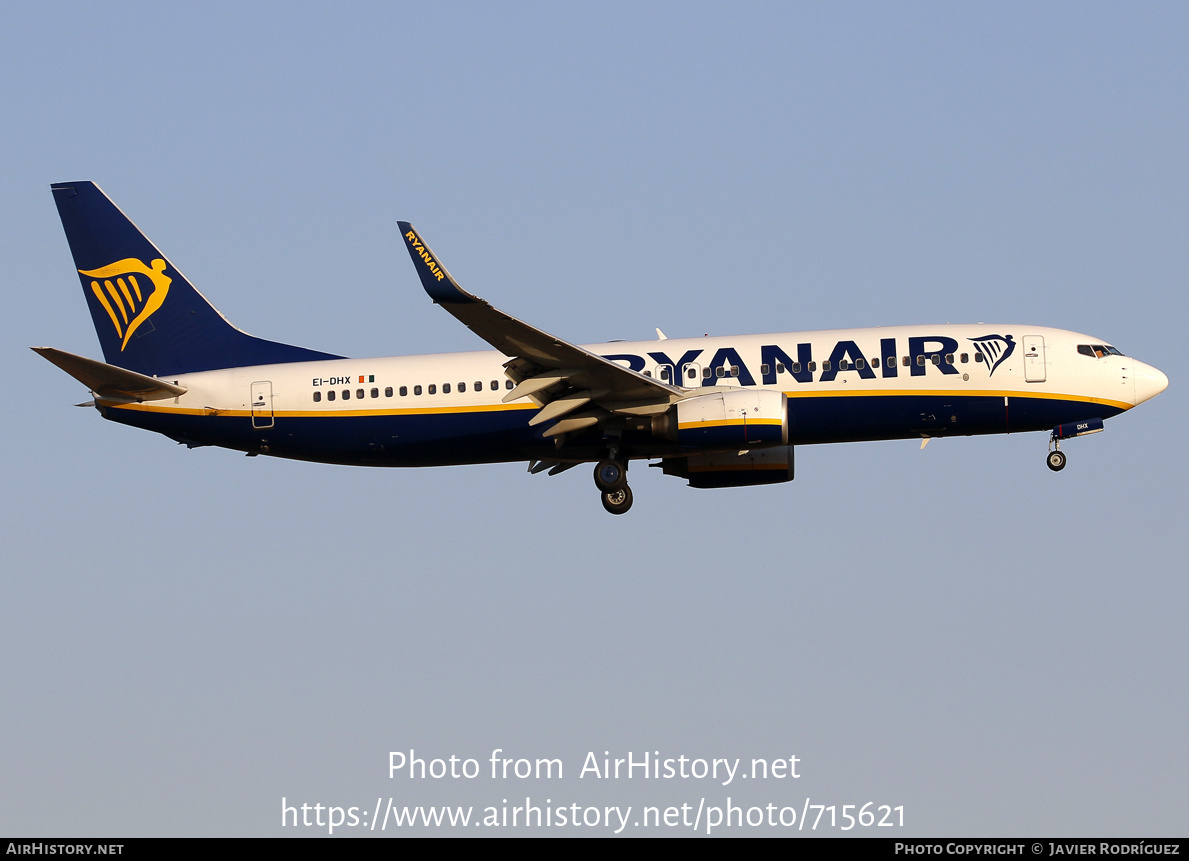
[[941, 351]]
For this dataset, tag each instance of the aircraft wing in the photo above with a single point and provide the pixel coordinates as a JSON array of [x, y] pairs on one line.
[[572, 385]]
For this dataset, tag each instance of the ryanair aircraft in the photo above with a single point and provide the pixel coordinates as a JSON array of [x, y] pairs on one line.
[[716, 411]]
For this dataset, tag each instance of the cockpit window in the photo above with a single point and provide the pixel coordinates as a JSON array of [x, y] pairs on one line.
[[1098, 351]]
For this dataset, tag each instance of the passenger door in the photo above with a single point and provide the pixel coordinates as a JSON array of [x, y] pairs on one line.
[[1034, 359], [262, 404]]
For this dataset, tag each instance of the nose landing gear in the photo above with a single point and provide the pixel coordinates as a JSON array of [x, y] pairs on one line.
[[1056, 458], [611, 478]]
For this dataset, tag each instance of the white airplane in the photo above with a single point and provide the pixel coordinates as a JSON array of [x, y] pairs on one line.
[[716, 411]]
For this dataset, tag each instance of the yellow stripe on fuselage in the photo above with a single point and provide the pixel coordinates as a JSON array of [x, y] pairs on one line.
[[210, 411]]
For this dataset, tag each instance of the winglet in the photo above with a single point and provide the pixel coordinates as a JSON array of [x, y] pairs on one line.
[[437, 281]]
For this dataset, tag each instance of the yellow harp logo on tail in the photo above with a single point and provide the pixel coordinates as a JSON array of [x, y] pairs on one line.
[[125, 299]]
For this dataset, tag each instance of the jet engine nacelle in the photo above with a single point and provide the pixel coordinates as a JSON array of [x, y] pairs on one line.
[[733, 419], [771, 465]]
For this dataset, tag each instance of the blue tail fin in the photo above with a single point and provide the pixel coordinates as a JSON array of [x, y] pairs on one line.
[[149, 318]]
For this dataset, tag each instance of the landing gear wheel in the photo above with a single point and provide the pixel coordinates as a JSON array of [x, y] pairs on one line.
[[610, 475], [1056, 461], [618, 501]]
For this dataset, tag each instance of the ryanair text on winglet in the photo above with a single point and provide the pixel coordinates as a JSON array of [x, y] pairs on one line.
[[423, 252]]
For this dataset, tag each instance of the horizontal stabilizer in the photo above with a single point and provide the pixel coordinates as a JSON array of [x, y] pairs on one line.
[[108, 381]]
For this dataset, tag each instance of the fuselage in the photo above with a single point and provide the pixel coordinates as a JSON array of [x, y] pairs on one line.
[[716, 411], [841, 386]]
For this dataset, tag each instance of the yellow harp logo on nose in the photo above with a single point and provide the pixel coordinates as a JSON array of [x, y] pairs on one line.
[[121, 295]]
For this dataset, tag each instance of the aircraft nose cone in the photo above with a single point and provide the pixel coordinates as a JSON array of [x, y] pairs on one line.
[[1149, 382]]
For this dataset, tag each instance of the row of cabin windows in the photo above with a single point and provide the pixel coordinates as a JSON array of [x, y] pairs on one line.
[[663, 374], [431, 389], [843, 365], [722, 371], [860, 364]]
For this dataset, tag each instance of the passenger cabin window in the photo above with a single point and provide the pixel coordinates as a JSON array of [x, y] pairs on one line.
[[462, 387], [796, 367], [860, 363], [813, 367], [478, 385], [920, 360], [359, 394], [433, 389], [843, 365], [978, 357], [904, 361], [935, 358], [779, 368], [416, 390], [764, 370], [949, 358], [317, 397], [509, 385], [330, 396], [495, 385], [404, 391], [705, 373], [375, 393], [734, 370], [964, 358], [445, 388], [720, 371], [825, 365], [388, 392], [346, 394]]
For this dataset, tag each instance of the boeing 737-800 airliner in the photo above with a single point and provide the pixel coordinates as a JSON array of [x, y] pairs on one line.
[[716, 411]]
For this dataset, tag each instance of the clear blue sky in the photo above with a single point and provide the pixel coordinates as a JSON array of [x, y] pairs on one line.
[[189, 636]]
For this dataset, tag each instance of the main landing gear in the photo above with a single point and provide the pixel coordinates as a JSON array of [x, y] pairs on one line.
[[618, 501], [611, 478], [1056, 458]]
